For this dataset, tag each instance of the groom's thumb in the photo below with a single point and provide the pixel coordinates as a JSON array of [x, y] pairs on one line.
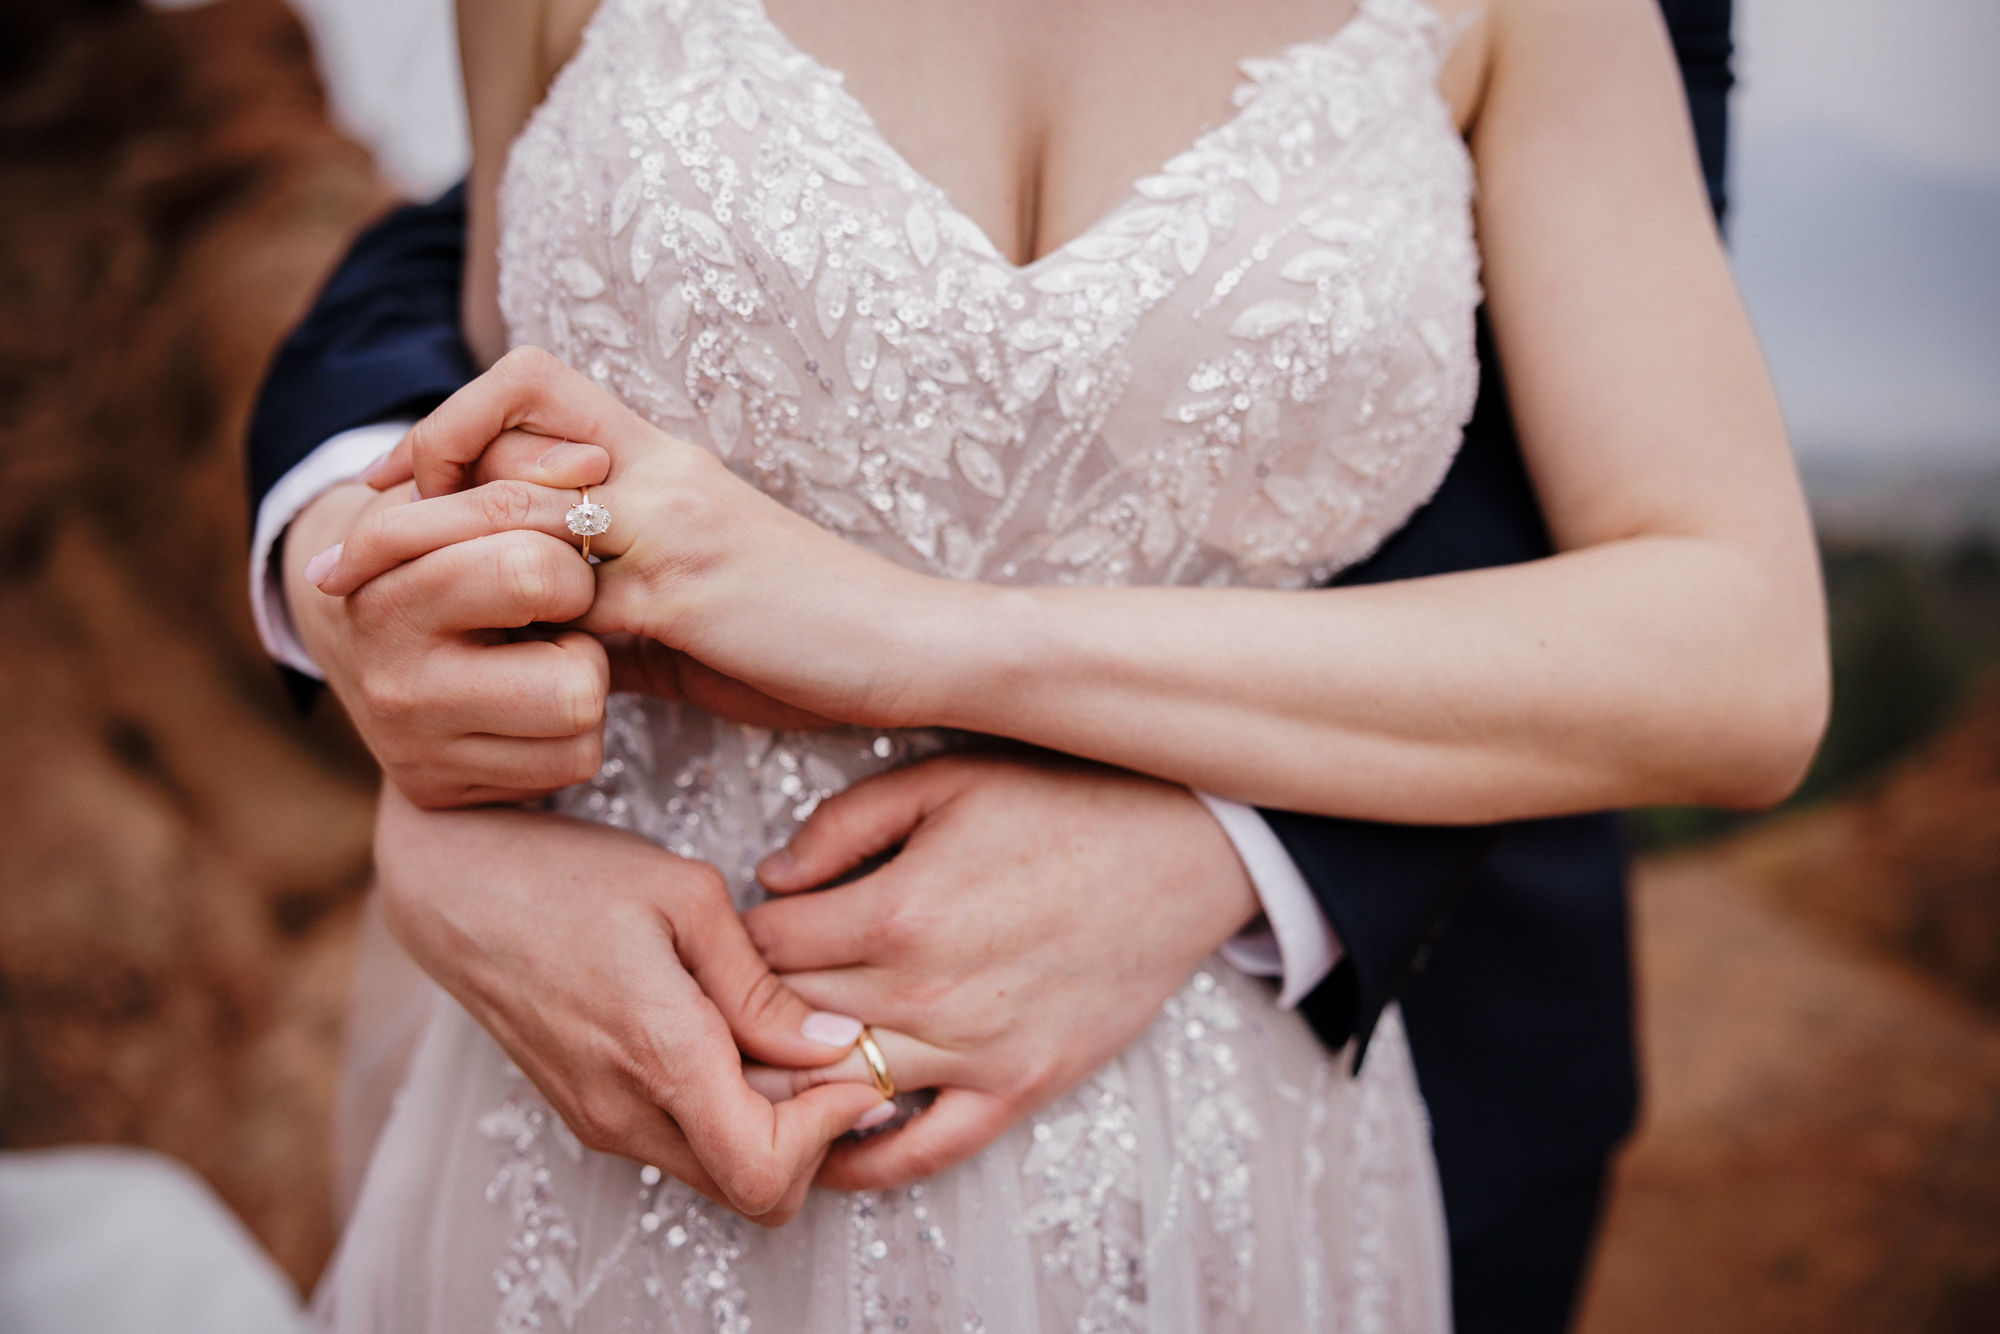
[[768, 1019]]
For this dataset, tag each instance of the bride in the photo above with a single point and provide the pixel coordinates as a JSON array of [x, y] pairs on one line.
[[951, 378]]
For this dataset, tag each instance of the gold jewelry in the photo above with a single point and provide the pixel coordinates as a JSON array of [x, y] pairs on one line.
[[878, 1065], [587, 519]]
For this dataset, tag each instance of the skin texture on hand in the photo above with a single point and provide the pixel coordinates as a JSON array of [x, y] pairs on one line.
[[455, 704], [619, 978], [1034, 918], [690, 549], [1545, 688]]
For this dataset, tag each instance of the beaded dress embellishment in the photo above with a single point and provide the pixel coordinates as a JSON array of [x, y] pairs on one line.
[[1251, 371]]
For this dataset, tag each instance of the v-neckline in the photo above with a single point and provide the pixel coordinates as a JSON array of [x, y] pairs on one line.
[[1131, 194]]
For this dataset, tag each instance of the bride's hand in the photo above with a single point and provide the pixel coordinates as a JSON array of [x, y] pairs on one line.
[[522, 483], [619, 979], [695, 557], [1036, 917]]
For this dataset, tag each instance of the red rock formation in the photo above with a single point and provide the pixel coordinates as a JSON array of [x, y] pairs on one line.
[[1910, 867], [181, 859]]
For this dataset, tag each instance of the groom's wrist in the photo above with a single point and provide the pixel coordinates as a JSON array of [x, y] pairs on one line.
[[337, 459]]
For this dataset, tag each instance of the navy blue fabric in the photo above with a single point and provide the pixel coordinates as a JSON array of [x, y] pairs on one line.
[[1506, 946], [381, 341]]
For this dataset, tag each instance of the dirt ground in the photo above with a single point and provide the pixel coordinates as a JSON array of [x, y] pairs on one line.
[[182, 859]]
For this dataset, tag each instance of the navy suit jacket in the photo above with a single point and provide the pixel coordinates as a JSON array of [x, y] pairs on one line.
[[1506, 946]]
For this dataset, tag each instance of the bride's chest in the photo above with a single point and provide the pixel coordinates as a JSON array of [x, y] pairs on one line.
[[1256, 357]]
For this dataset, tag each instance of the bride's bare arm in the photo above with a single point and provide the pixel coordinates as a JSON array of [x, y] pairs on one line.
[[1672, 650]]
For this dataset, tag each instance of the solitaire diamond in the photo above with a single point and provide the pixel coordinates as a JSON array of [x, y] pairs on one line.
[[588, 519]]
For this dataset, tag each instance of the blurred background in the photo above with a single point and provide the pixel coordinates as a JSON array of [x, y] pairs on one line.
[[182, 858]]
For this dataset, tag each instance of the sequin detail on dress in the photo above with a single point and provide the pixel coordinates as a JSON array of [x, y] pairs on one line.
[[1250, 371]]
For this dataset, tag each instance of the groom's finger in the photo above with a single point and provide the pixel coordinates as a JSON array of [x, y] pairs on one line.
[[753, 1150], [885, 995], [533, 689], [400, 533], [765, 1017], [952, 1129], [527, 456], [834, 928], [503, 580], [848, 828], [913, 1064], [528, 389]]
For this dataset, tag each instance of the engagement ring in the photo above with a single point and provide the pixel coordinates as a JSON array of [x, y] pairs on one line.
[[587, 519]]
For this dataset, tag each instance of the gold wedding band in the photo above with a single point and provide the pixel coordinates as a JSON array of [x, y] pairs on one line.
[[587, 519], [878, 1065]]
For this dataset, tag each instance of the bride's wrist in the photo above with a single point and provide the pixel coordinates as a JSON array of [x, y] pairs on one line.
[[963, 650]]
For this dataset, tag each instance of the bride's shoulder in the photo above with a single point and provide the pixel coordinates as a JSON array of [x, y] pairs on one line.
[[1540, 41]]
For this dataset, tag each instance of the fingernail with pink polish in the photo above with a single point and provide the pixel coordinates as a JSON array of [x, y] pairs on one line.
[[320, 566], [561, 454], [830, 1029], [777, 864], [876, 1115], [368, 473]]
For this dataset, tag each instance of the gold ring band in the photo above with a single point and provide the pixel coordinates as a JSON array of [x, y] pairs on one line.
[[878, 1065]]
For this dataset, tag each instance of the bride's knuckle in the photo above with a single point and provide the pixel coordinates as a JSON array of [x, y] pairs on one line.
[[505, 505], [527, 365]]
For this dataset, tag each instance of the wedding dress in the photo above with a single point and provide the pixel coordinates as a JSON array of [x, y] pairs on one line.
[[1249, 372]]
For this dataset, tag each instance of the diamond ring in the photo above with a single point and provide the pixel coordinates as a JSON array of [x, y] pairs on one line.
[[587, 519]]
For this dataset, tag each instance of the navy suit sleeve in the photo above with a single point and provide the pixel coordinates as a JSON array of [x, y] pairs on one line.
[[1389, 890], [381, 341]]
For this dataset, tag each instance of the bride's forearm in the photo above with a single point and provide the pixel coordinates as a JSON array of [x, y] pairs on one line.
[[1654, 669]]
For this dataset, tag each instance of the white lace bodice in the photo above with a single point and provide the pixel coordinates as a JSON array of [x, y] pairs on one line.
[[1251, 370]]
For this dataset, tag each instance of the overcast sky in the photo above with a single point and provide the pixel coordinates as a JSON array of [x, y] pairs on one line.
[[1867, 226], [1866, 181]]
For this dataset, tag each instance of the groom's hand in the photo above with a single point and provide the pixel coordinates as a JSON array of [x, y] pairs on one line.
[[456, 708], [619, 979], [1037, 915], [458, 715]]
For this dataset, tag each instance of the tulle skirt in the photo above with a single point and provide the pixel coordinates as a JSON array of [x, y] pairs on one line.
[[1224, 1174]]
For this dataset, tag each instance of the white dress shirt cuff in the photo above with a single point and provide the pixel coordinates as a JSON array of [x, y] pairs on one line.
[[340, 458], [1294, 942]]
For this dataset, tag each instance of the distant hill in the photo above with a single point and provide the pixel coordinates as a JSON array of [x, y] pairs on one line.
[[1896, 498]]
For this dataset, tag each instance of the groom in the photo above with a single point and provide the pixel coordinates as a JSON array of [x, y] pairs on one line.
[[1506, 947]]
